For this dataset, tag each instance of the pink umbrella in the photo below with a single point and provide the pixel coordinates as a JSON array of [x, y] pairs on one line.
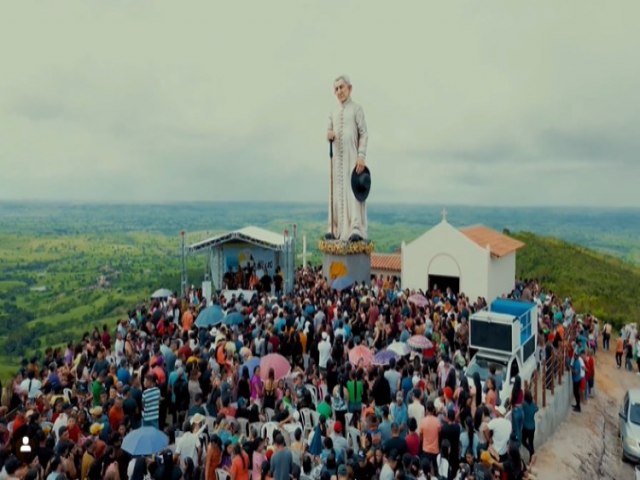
[[361, 356], [281, 366], [418, 300], [419, 342]]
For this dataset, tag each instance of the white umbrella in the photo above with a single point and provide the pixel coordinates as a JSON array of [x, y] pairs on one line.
[[162, 293], [400, 348]]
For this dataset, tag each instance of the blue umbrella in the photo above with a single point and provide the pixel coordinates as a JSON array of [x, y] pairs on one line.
[[145, 441], [234, 318], [251, 365], [210, 316], [316, 443], [383, 357], [342, 283]]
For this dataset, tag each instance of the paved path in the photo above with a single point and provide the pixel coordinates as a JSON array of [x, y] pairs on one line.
[[587, 444]]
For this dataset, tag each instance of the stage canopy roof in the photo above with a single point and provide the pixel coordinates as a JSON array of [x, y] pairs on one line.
[[254, 235]]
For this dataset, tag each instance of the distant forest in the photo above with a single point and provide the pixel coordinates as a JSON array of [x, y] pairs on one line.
[[613, 231]]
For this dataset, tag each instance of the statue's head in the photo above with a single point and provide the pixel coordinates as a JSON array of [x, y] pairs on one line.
[[342, 88]]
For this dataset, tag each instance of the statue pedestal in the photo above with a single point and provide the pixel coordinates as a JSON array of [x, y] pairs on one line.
[[342, 259]]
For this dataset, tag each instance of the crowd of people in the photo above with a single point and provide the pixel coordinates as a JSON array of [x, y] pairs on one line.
[[416, 417]]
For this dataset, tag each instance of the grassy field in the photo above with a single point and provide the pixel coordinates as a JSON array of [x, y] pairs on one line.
[[87, 280]]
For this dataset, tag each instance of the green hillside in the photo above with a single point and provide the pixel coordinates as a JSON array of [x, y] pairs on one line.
[[597, 283]]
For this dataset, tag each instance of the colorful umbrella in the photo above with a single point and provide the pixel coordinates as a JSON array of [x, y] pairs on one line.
[[383, 357], [418, 300], [419, 342], [233, 318], [145, 441], [210, 316], [281, 366], [400, 348], [360, 356], [342, 283]]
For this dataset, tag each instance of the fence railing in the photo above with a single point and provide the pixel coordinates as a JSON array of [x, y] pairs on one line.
[[551, 371]]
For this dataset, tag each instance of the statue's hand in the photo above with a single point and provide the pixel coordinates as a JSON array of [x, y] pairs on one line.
[[331, 136], [360, 166]]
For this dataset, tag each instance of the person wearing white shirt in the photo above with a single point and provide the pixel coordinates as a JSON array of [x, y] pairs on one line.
[[119, 346], [389, 466], [31, 385], [393, 376], [189, 443], [324, 351], [61, 421], [318, 319], [500, 429], [416, 409]]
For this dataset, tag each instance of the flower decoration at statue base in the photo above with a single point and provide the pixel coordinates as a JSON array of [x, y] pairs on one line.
[[339, 247]]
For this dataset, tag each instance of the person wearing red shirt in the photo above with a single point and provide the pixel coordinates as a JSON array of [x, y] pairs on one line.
[[239, 469], [106, 338], [185, 352], [187, 319], [57, 410], [116, 414], [590, 370], [73, 429], [413, 439]]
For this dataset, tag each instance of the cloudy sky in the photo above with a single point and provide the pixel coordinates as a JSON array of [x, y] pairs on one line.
[[470, 102]]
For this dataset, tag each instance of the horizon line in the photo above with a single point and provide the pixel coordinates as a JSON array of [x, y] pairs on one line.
[[297, 202]]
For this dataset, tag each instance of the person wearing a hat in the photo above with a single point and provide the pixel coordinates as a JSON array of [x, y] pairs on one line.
[[484, 468], [347, 130], [340, 443], [189, 445], [98, 416]]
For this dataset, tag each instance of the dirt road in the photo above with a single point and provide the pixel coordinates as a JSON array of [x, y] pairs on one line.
[[587, 445]]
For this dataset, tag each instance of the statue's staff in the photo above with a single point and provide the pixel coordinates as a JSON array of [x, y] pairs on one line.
[[331, 182]]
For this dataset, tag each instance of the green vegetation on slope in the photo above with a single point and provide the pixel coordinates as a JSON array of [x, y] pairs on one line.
[[55, 287], [597, 283]]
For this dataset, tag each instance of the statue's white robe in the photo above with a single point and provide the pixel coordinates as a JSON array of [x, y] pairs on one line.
[[349, 215]]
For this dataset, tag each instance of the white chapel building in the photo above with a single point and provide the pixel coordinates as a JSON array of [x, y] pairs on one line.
[[476, 260]]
